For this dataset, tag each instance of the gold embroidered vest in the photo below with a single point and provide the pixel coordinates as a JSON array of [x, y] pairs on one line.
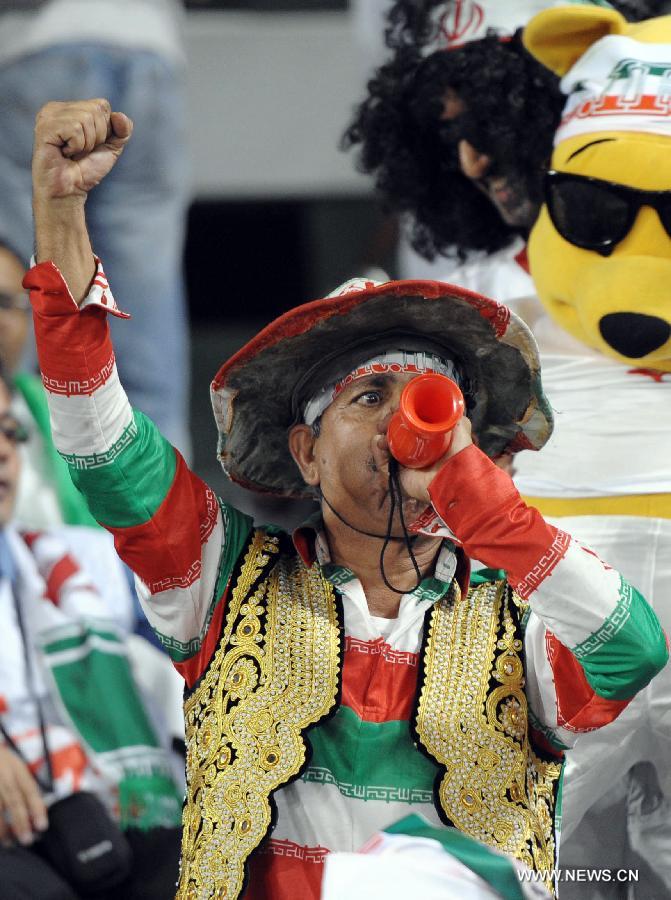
[[277, 670]]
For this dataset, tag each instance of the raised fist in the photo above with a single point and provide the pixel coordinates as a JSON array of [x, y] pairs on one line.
[[76, 144]]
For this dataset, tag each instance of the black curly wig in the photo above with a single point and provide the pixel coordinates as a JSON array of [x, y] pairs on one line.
[[412, 154], [638, 10]]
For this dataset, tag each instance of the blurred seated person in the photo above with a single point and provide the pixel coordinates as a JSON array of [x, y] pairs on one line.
[[88, 804], [46, 495]]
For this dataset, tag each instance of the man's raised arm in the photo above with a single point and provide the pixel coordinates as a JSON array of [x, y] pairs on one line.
[[167, 524]]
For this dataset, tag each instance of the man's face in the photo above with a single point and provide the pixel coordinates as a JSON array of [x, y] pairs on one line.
[[9, 457], [506, 188], [342, 462]]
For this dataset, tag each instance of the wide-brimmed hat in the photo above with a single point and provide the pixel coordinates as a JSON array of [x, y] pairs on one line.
[[261, 391]]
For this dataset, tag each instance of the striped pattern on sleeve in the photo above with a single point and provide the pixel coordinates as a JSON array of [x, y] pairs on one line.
[[592, 641], [168, 526]]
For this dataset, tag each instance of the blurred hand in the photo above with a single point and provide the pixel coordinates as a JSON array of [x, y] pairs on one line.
[[76, 145], [22, 810]]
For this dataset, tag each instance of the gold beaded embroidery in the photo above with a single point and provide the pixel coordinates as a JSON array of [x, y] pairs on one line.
[[495, 788], [274, 673]]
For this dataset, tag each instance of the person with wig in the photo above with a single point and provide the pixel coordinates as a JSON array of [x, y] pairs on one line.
[[617, 814], [456, 130]]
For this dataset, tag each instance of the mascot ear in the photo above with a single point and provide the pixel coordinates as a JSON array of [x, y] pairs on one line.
[[559, 36]]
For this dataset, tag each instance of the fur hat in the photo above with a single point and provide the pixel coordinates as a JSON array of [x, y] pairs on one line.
[[261, 391]]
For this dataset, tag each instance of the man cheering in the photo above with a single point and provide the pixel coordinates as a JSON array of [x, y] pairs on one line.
[[347, 675]]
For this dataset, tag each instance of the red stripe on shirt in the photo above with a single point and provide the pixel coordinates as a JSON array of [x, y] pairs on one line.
[[482, 506], [579, 708], [378, 683], [72, 387], [284, 870], [166, 550], [89, 359]]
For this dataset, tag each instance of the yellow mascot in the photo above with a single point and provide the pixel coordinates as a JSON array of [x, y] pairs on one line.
[[600, 257]]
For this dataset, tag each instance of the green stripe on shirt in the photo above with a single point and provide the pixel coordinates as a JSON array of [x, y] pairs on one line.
[[81, 639], [370, 760], [101, 700], [612, 657], [129, 487]]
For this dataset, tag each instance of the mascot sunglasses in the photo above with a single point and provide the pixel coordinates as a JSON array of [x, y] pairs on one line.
[[597, 215]]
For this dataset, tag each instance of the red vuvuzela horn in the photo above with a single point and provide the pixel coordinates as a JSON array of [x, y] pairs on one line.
[[420, 431]]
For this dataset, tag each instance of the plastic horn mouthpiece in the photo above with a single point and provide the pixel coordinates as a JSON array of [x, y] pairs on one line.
[[420, 431]]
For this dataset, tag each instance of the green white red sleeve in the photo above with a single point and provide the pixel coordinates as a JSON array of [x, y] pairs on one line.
[[591, 641], [167, 523]]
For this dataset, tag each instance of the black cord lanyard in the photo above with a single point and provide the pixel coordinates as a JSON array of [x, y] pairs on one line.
[[32, 693], [395, 499]]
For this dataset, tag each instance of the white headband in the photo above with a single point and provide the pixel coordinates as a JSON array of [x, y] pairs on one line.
[[464, 21], [619, 84], [394, 361]]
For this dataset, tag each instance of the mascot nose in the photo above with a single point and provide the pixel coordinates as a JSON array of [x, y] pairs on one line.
[[634, 335]]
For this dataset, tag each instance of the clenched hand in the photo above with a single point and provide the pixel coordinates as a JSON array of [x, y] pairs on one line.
[[76, 145]]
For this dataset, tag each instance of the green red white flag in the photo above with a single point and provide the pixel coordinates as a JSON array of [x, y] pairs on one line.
[[619, 84], [413, 858]]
